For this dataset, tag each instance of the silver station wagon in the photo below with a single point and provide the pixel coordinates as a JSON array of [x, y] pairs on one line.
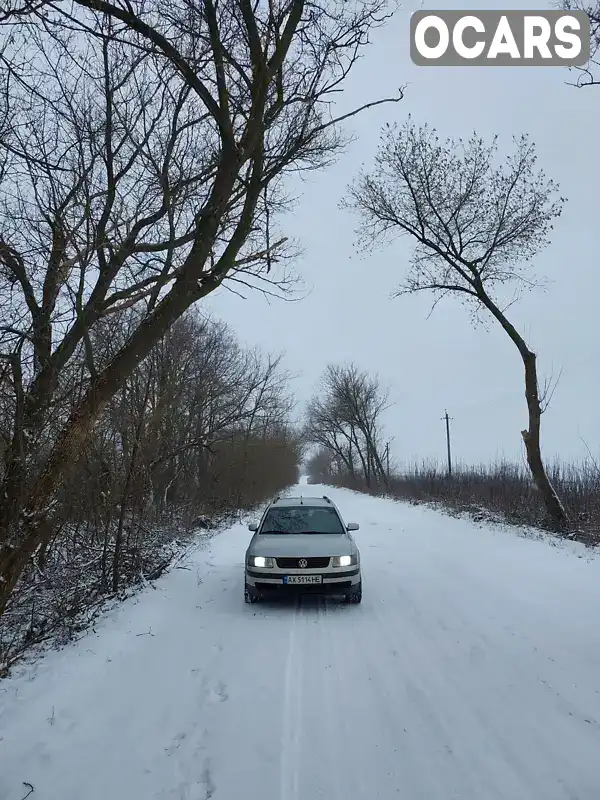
[[302, 546]]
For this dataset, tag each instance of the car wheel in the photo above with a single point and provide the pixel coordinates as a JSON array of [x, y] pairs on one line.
[[355, 597], [250, 597]]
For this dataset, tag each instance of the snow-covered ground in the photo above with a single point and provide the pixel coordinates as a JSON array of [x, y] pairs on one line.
[[470, 672]]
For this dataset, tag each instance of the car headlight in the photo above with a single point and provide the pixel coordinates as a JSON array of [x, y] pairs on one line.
[[261, 561], [344, 561]]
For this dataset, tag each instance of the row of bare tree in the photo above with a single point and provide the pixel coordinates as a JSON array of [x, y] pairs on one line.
[[144, 147], [200, 430], [344, 420]]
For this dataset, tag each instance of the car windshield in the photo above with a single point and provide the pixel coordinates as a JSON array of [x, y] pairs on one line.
[[302, 519]]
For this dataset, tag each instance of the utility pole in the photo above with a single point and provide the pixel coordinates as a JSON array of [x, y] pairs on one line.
[[447, 418], [387, 458]]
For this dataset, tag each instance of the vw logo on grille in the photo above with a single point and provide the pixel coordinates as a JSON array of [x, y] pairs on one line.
[[303, 563]]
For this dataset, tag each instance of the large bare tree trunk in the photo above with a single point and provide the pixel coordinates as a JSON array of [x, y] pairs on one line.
[[531, 437], [36, 517], [557, 516]]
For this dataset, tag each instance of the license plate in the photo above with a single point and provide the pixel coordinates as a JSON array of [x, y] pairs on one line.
[[303, 579]]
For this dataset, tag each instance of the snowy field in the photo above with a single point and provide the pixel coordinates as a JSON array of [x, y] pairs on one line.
[[470, 672]]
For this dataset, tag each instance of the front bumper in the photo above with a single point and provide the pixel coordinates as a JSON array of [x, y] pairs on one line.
[[267, 582]]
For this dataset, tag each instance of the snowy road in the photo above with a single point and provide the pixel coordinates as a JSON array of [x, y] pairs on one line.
[[470, 672]]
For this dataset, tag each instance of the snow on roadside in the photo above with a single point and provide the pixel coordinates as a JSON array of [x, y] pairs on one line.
[[470, 672], [485, 519], [171, 554]]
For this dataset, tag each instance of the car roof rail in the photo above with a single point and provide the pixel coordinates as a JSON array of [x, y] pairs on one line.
[[326, 498]]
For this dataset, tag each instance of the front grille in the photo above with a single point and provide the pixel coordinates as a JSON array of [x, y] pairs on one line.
[[319, 562], [304, 588]]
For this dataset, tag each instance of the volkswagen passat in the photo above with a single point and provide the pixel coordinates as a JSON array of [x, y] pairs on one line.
[[301, 545]]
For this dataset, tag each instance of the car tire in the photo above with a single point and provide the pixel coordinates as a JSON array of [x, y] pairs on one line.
[[355, 597], [250, 597]]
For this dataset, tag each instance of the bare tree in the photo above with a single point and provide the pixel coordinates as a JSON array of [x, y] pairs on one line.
[[201, 430], [344, 417], [588, 75], [477, 223], [144, 171], [320, 466]]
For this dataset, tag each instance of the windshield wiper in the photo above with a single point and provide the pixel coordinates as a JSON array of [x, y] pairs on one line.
[[322, 533], [300, 533]]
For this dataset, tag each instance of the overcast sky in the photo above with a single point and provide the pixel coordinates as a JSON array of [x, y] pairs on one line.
[[443, 362]]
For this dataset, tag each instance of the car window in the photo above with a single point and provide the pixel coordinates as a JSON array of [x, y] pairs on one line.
[[302, 519]]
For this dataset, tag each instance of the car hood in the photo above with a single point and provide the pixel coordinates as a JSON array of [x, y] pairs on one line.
[[281, 545]]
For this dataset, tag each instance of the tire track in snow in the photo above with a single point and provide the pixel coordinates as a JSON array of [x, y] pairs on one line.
[[292, 705], [473, 710], [329, 659]]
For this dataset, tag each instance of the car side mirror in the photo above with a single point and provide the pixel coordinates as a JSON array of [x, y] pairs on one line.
[[253, 527], [352, 526]]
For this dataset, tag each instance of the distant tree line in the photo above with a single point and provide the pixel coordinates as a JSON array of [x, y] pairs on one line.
[[343, 420], [342, 432]]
